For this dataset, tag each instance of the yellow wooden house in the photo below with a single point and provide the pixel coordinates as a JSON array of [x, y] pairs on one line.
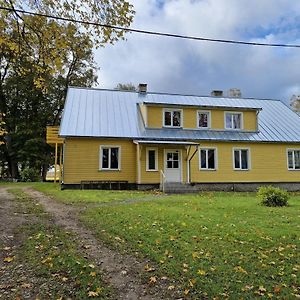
[[123, 139]]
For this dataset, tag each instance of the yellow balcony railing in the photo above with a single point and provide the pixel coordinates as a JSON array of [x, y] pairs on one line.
[[52, 137]]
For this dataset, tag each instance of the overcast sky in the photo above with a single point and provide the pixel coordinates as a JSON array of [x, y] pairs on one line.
[[193, 67]]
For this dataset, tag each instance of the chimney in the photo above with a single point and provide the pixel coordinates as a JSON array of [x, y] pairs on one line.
[[216, 93], [234, 93], [142, 89]]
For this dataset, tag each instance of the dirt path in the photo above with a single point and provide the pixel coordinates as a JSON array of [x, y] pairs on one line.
[[123, 272]]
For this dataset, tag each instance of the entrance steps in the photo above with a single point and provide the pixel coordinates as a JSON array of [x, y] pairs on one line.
[[179, 188]]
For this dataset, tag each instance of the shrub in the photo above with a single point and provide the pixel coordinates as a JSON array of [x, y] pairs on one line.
[[272, 196], [30, 174]]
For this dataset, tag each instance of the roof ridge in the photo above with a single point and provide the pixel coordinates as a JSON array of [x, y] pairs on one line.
[[174, 94]]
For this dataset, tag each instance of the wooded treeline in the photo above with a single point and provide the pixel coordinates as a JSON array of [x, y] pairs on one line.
[[39, 58]]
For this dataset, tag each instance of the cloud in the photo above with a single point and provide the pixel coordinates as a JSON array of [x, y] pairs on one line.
[[184, 66]]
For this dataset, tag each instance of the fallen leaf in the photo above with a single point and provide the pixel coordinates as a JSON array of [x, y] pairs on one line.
[[26, 285], [201, 272], [192, 282], [171, 287], [93, 274], [6, 248], [277, 289], [9, 259], [148, 268], [64, 279], [152, 280], [186, 291], [91, 266]]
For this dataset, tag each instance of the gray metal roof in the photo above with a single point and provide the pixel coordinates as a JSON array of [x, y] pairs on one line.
[[110, 113]]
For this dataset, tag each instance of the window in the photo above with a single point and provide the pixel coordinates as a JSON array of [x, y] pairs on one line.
[[109, 158], [172, 117], [233, 120], [241, 159], [293, 159], [203, 119], [173, 160], [151, 159], [207, 159]]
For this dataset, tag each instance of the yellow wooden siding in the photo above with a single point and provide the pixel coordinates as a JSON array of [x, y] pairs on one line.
[[155, 118], [268, 163], [217, 119], [250, 122], [143, 110], [154, 176], [81, 160], [189, 118]]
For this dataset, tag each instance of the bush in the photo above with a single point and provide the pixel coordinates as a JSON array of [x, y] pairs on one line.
[[272, 196], [30, 174]]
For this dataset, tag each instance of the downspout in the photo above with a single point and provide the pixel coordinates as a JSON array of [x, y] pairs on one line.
[[189, 163]]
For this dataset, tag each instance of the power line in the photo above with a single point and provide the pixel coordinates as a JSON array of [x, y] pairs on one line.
[[164, 34]]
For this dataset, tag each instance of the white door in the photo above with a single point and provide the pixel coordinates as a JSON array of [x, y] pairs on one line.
[[173, 165]]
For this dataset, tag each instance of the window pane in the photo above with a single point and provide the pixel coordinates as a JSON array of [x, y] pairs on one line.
[[151, 160], [169, 156], [237, 159], [290, 159], [211, 159], [169, 164], [203, 120], [114, 160], [236, 121], [297, 159], [175, 164], [203, 159], [105, 158], [244, 159], [175, 156], [228, 120], [176, 118], [168, 118]]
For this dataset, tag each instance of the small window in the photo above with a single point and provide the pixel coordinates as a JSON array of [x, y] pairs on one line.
[[203, 119], [241, 159], [233, 120], [208, 159], [293, 159], [151, 160], [109, 158], [172, 117]]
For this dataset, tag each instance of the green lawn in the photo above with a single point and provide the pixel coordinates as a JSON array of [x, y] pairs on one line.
[[81, 197], [222, 245]]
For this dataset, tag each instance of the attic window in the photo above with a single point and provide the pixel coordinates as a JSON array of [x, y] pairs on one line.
[[233, 120], [172, 117], [203, 119]]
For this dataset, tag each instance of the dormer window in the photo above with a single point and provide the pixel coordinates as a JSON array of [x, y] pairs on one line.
[[233, 120], [172, 117], [203, 119]]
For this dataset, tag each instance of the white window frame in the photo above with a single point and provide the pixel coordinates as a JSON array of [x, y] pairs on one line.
[[234, 113], [147, 159], [172, 110], [287, 158], [249, 159], [109, 157], [208, 118], [216, 158]]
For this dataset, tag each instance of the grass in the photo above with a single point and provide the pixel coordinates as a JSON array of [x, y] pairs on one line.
[[222, 245], [81, 197], [52, 258]]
